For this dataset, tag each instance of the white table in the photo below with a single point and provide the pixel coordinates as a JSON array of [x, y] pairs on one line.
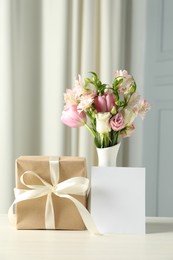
[[157, 244]]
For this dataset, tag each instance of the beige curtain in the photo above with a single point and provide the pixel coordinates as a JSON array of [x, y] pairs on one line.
[[44, 45]]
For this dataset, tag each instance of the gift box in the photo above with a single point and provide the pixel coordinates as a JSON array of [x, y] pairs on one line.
[[36, 176], [118, 199]]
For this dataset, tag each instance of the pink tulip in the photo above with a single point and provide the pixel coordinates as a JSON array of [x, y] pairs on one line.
[[105, 102], [72, 118], [117, 122]]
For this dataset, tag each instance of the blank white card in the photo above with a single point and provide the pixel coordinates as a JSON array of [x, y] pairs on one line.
[[118, 199]]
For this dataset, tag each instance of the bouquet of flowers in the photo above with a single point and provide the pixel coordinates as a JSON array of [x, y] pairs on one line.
[[107, 110]]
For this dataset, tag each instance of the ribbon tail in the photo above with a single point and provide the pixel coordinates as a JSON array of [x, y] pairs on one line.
[[19, 197], [86, 217], [11, 215], [22, 195], [49, 213]]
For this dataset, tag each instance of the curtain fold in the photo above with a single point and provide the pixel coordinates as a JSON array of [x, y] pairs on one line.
[[46, 44], [6, 109]]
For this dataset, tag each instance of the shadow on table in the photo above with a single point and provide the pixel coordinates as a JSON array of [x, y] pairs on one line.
[[159, 227]]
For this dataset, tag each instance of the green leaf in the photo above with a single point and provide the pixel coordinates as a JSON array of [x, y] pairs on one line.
[[93, 73], [120, 103], [115, 92], [97, 140], [114, 137], [86, 87], [95, 77], [87, 80], [133, 88], [117, 81]]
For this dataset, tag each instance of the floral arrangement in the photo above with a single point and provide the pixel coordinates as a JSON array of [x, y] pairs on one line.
[[109, 109]]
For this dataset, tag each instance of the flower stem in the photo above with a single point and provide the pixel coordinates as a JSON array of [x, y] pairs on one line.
[[90, 129]]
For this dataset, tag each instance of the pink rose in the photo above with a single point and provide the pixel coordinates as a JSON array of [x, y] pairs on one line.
[[104, 103], [72, 118], [117, 122]]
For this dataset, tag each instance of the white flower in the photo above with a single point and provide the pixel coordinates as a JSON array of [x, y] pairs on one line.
[[102, 122]]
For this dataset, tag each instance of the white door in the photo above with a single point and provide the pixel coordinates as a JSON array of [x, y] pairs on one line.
[[158, 132]]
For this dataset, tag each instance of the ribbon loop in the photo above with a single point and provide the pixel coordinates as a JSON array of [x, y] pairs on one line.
[[75, 185]]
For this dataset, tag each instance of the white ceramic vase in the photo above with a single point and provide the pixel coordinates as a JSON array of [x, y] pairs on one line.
[[108, 156]]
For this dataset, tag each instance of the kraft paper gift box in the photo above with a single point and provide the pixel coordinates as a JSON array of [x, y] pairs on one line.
[[30, 214], [118, 199]]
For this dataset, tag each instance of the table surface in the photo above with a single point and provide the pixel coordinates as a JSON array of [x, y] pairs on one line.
[[157, 243]]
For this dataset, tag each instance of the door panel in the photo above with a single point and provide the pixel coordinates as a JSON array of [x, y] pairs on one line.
[[158, 137]]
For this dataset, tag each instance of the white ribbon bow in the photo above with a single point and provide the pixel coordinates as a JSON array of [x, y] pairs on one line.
[[75, 185]]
